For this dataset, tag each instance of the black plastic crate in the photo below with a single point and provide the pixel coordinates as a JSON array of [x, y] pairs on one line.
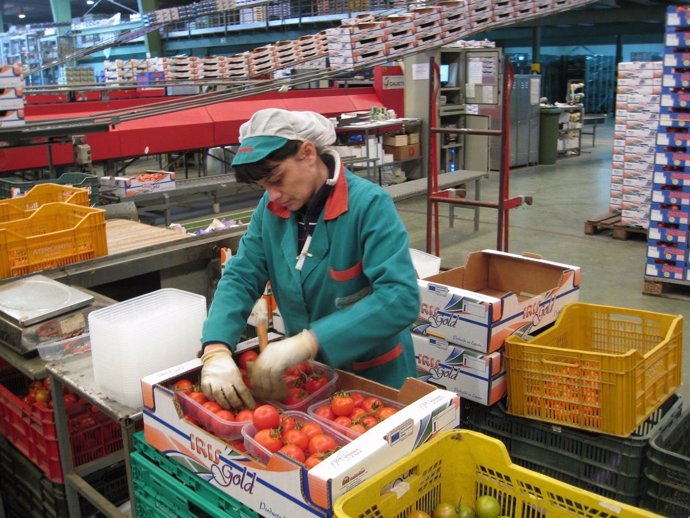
[[666, 477], [27, 492], [606, 465]]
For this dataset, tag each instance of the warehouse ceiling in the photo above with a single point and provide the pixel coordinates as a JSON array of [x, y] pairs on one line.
[[637, 19]]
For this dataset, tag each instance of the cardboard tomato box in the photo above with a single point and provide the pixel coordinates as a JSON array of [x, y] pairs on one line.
[[283, 487], [144, 182], [493, 296], [472, 375]]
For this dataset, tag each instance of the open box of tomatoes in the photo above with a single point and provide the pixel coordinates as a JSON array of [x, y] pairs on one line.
[[278, 483]]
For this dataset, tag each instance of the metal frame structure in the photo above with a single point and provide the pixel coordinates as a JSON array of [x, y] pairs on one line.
[[434, 197]]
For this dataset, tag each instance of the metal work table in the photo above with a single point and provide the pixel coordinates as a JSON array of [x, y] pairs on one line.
[[76, 373], [593, 119]]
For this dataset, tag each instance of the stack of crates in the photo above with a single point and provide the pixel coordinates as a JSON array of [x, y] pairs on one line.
[[26, 491], [587, 396], [29, 425], [163, 488], [609, 466], [667, 257], [462, 466], [666, 480]]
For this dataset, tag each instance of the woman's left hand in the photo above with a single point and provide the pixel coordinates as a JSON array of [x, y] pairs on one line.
[[267, 372]]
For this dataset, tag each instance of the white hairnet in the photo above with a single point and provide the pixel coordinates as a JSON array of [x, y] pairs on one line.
[[293, 125]]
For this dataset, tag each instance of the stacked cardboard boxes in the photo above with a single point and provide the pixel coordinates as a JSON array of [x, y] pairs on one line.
[[466, 314], [637, 117], [668, 245], [11, 96]]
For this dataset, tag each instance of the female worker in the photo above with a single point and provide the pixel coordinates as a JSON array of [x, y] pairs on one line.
[[337, 256]]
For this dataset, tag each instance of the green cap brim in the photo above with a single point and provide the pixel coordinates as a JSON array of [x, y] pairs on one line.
[[255, 149]]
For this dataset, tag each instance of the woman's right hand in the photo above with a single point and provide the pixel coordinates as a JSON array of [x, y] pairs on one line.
[[221, 379]]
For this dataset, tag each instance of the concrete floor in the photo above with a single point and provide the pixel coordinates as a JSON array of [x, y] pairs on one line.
[[566, 194]]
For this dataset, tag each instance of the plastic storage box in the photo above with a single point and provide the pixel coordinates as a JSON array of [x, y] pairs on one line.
[[22, 207], [606, 465], [55, 235], [143, 335], [326, 390], [666, 477], [463, 465], [599, 368], [164, 488], [10, 188], [263, 455], [341, 429]]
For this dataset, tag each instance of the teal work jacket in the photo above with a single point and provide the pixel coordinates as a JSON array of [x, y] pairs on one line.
[[357, 290]]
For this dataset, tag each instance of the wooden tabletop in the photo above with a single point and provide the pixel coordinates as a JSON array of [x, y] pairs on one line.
[[124, 235]]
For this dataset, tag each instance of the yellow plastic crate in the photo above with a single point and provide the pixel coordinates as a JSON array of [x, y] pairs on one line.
[[56, 234], [20, 208], [463, 465], [599, 368]]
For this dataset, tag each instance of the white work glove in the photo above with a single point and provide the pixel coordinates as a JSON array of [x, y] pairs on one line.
[[221, 380], [268, 370]]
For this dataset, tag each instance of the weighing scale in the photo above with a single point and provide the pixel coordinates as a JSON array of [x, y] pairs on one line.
[[37, 309]]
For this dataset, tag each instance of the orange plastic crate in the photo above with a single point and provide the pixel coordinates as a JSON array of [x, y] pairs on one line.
[[599, 368], [56, 234], [24, 206]]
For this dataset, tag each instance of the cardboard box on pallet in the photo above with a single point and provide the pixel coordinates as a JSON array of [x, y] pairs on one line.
[[283, 487], [492, 296]]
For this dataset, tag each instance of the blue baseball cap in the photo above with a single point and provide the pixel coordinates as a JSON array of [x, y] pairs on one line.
[[255, 149]]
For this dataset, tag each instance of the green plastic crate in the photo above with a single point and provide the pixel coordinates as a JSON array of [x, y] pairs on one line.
[[606, 465], [164, 488], [82, 180]]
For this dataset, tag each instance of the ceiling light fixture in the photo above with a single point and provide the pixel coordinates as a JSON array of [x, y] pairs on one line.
[[90, 2], [21, 14]]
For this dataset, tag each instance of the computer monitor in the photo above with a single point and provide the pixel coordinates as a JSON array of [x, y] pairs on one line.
[[445, 74]]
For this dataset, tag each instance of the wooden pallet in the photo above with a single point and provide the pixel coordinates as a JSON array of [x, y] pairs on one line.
[[601, 223], [612, 222], [673, 290]]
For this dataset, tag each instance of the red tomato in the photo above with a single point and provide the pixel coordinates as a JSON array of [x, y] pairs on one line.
[[212, 406], [226, 415], [357, 429], [269, 438], [357, 398], [295, 396], [300, 369], [46, 383], [385, 412], [244, 415], [184, 385], [321, 443], [293, 380], [325, 412], [311, 429], [357, 413], [296, 437], [315, 382], [266, 416], [312, 461], [288, 422], [368, 421], [343, 420], [198, 396], [294, 452], [371, 404], [246, 357], [342, 403], [70, 398], [247, 380]]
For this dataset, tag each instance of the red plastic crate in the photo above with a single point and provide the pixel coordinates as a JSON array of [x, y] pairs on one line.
[[31, 428]]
